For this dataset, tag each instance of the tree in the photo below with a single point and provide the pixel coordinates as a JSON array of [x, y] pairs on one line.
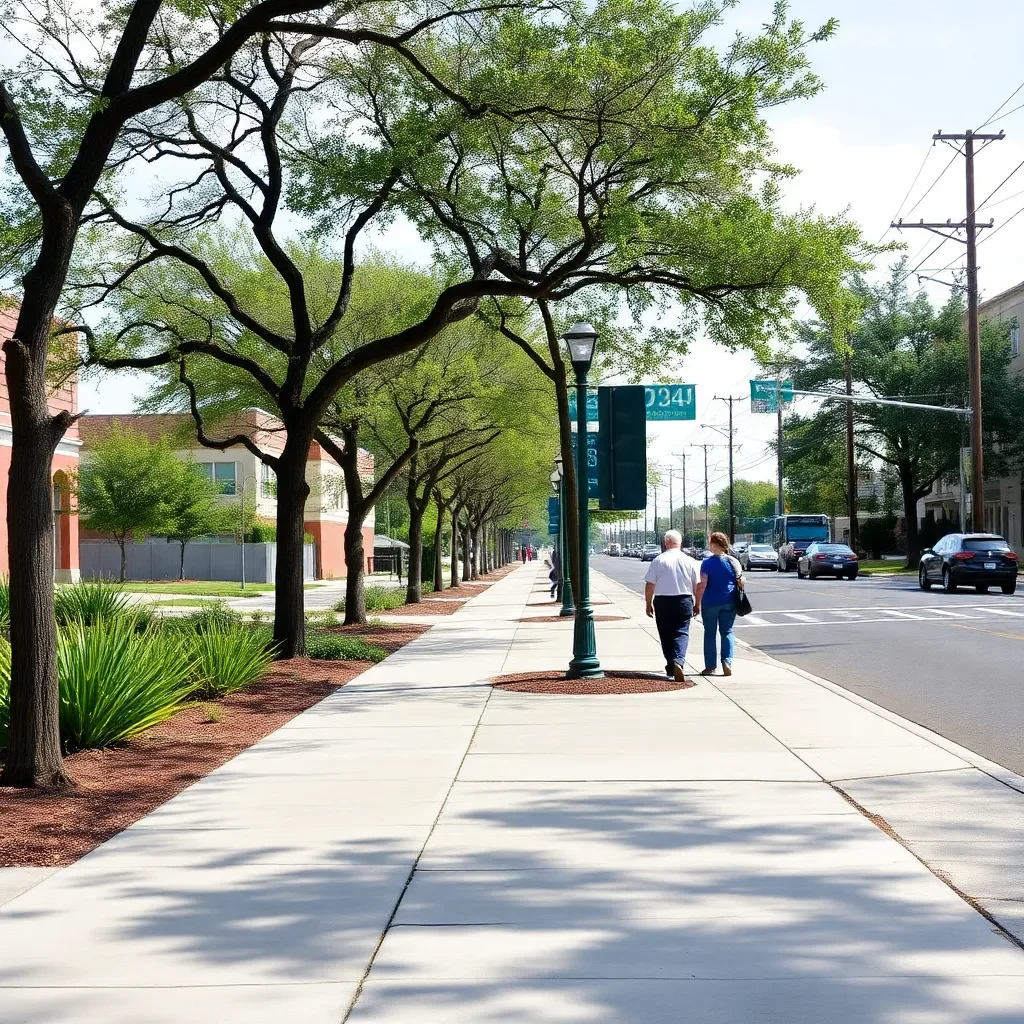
[[127, 488], [193, 509], [752, 499], [904, 348], [63, 113]]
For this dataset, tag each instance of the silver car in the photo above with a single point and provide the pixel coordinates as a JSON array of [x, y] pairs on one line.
[[759, 556]]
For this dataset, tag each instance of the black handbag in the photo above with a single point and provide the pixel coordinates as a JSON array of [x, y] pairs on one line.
[[741, 603]]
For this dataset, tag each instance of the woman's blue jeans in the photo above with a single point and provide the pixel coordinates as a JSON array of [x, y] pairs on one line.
[[718, 621]]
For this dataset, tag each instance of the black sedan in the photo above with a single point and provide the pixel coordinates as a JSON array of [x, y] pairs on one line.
[[821, 559], [979, 560]]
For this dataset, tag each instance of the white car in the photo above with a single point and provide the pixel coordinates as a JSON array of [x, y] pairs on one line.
[[759, 556]]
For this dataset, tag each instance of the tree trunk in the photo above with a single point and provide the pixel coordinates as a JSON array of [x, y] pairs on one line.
[[474, 561], [124, 559], [355, 560], [910, 514], [289, 596], [34, 749], [181, 567], [414, 584], [438, 539], [466, 549], [456, 537]]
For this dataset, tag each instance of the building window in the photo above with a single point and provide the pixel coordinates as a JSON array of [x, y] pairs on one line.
[[222, 474], [1014, 341], [334, 494], [268, 481]]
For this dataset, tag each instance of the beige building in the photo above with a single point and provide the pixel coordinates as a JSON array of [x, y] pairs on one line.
[[1003, 499]]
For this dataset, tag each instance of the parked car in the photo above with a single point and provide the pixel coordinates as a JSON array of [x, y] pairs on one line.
[[759, 556], [739, 547], [821, 559], [979, 560], [650, 553]]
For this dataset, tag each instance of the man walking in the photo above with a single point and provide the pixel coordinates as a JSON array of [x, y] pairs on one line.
[[673, 591]]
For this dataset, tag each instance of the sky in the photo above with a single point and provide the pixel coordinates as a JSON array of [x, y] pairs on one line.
[[895, 72]]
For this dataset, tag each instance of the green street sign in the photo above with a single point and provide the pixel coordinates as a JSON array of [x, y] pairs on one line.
[[553, 516], [764, 395], [670, 402]]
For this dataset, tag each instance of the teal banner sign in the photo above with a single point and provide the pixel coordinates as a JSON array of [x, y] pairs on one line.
[[670, 402], [764, 395], [593, 489], [553, 516], [591, 406]]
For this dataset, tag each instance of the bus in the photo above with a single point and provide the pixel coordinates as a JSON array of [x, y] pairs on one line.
[[792, 534]]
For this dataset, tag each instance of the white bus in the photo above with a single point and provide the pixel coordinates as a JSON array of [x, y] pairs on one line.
[[792, 534]]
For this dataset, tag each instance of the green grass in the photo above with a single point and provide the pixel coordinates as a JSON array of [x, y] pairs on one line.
[[200, 588], [869, 566]]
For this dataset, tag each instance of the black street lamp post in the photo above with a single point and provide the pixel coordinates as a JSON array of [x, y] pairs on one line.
[[567, 608], [581, 340]]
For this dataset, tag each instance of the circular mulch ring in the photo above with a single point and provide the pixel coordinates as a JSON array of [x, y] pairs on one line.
[[569, 618], [613, 682]]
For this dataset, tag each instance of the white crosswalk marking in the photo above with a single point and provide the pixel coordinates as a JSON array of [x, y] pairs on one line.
[[753, 620], [1006, 611], [947, 613], [800, 618], [893, 613]]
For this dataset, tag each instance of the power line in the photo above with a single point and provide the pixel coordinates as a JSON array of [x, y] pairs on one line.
[[927, 154], [1002, 183], [995, 113], [942, 173]]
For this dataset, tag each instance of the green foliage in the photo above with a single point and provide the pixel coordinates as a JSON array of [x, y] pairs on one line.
[[125, 486], [261, 533], [5, 691], [333, 647], [116, 683], [752, 499], [228, 658], [193, 508], [379, 599], [5, 601], [877, 535], [213, 615], [92, 601]]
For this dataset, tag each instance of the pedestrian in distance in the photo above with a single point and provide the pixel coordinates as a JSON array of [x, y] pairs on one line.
[[721, 574], [673, 591], [522, 554], [556, 574]]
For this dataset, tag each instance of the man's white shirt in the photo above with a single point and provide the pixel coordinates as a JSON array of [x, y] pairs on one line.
[[674, 573]]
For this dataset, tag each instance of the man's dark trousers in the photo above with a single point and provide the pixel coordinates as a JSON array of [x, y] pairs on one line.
[[672, 617]]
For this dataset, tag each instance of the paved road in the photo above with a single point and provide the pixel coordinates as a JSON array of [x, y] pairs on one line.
[[951, 662]]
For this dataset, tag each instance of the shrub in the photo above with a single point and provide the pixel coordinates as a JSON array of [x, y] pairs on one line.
[[324, 617], [5, 602], [379, 599], [229, 658], [5, 691], [332, 647], [88, 602], [211, 615], [116, 683]]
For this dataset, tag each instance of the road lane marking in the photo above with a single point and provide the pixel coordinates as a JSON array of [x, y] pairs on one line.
[[803, 618], [754, 620], [991, 632], [1004, 611], [949, 614], [901, 615]]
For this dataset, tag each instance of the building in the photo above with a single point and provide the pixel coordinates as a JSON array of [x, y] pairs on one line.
[[1004, 496], [237, 470], [64, 467]]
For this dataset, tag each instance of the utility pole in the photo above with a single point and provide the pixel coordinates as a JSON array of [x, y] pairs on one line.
[[851, 467], [671, 517], [779, 499], [707, 518], [971, 226], [732, 504]]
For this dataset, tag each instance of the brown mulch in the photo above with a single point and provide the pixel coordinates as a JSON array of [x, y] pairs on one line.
[[116, 787], [569, 618], [460, 594], [613, 682]]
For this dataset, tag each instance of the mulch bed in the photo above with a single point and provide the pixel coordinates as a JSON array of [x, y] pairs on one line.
[[460, 594], [569, 618], [613, 682], [116, 787]]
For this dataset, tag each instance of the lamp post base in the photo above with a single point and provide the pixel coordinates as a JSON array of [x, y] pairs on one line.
[[584, 664], [567, 608]]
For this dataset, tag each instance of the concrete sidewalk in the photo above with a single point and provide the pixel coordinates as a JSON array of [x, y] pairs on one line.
[[422, 848]]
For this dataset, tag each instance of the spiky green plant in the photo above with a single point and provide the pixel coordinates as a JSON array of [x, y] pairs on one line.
[[116, 682], [90, 601], [229, 658], [5, 691], [332, 647]]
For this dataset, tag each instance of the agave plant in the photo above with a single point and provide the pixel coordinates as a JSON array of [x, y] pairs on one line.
[[228, 658], [90, 602], [5, 691], [116, 682]]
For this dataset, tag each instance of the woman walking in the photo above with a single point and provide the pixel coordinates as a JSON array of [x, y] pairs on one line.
[[721, 575]]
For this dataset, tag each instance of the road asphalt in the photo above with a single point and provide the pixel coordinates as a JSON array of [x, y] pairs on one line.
[[950, 662]]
